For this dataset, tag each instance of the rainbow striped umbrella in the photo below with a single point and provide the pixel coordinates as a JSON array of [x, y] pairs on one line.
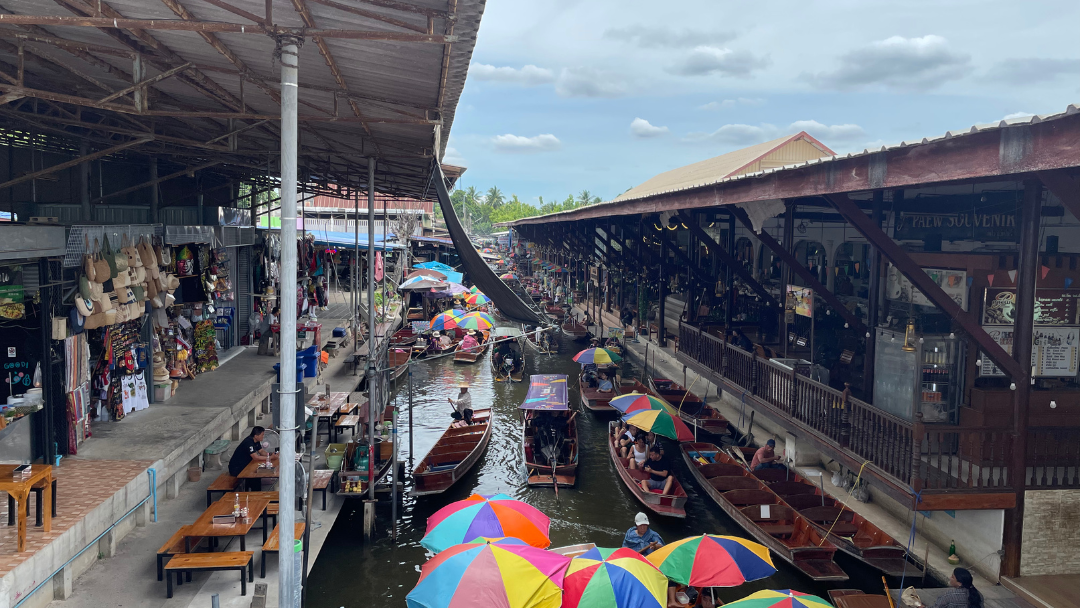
[[509, 277], [477, 299], [483, 315], [781, 598], [660, 422], [493, 575], [448, 319], [474, 289], [599, 356], [713, 561], [480, 516], [475, 321], [632, 403], [613, 578]]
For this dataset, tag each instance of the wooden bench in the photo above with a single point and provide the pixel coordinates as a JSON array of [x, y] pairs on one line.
[[331, 348], [351, 421], [190, 562], [353, 362], [271, 545], [225, 483], [320, 481], [212, 454], [271, 517], [175, 546]]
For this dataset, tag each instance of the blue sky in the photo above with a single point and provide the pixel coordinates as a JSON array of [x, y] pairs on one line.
[[566, 95]]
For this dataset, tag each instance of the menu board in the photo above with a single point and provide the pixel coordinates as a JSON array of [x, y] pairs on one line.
[[801, 300], [952, 282], [1052, 307], [1055, 351]]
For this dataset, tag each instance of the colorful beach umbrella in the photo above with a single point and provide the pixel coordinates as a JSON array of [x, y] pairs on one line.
[[474, 289], [780, 598], [476, 299], [613, 578], [660, 422], [483, 315], [480, 516], [509, 277], [476, 320], [713, 561], [447, 319], [492, 575], [600, 356], [632, 403]]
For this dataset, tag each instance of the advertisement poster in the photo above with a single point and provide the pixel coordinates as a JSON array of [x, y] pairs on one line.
[[801, 300], [1052, 307], [1054, 351], [952, 282]]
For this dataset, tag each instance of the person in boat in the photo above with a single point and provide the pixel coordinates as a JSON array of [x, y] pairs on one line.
[[604, 384], [641, 537], [681, 596], [469, 341], [659, 469], [766, 457], [612, 342], [588, 374], [627, 435], [638, 452], [961, 594], [442, 341], [463, 405]]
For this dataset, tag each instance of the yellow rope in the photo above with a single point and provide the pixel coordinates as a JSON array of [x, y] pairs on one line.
[[842, 505]]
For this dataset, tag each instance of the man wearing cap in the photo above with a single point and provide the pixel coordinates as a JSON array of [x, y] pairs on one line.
[[463, 405], [641, 537], [766, 458]]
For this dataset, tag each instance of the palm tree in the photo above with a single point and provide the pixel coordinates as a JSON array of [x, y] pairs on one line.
[[495, 197], [585, 197]]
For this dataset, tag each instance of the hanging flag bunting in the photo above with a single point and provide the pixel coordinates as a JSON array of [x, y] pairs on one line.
[[1012, 276], [1068, 282], [990, 279], [1045, 271]]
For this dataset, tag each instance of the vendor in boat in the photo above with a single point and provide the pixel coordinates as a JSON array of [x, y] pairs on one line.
[[441, 340], [659, 469], [604, 384], [681, 596], [462, 406], [766, 457], [641, 537], [469, 341]]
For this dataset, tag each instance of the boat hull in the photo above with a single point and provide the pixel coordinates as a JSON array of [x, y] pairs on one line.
[[596, 401], [661, 504], [540, 475], [691, 408], [453, 456]]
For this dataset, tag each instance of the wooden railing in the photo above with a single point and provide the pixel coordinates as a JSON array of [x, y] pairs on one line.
[[919, 456]]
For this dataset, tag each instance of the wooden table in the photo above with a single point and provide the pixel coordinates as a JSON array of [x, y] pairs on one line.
[[205, 526], [19, 489], [351, 421], [252, 470], [330, 409]]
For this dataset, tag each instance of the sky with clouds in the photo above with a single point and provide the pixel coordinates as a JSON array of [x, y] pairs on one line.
[[566, 95]]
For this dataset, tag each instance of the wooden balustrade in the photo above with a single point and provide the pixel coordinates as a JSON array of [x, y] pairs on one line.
[[1053, 455]]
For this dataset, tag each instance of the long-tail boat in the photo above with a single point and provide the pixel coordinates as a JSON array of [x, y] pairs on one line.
[[850, 532], [471, 355], [762, 513], [453, 455], [692, 409], [555, 312], [593, 398], [573, 328], [398, 361], [550, 347], [404, 337], [549, 436], [668, 505]]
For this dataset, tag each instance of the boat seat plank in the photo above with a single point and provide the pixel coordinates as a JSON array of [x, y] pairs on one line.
[[792, 488], [725, 484], [717, 469], [742, 498], [770, 475], [808, 501]]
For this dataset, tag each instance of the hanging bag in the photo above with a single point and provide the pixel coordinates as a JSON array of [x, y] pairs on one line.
[[88, 260], [120, 259], [107, 254], [101, 267]]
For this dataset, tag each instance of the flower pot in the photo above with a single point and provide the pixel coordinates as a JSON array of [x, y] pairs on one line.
[[194, 474]]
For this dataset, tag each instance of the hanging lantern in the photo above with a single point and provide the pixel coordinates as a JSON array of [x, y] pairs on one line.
[[909, 337]]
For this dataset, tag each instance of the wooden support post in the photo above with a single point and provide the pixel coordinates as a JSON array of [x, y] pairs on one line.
[[138, 74], [728, 260], [789, 262], [729, 246], [661, 325], [1027, 273], [873, 303]]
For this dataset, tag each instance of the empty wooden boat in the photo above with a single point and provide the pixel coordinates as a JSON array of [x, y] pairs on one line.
[[398, 361], [555, 312], [543, 341], [573, 550], [471, 355], [404, 337], [850, 532], [453, 455], [573, 328], [762, 513], [549, 437], [668, 505], [692, 409], [592, 397]]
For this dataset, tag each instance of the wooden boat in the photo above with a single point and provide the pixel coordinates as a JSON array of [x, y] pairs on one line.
[[507, 338], [421, 348], [668, 505], [761, 512], [574, 550], [415, 314], [573, 328], [594, 399], [552, 346], [453, 455], [472, 355], [556, 312], [454, 340], [857, 598], [398, 361], [691, 408], [545, 442], [850, 532], [403, 337]]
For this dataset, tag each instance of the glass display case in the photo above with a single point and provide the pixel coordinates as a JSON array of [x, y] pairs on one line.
[[926, 376]]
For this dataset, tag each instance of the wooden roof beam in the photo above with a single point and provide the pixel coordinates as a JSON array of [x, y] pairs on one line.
[[71, 163], [370, 15]]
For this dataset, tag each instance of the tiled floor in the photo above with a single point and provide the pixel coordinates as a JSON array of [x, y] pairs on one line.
[[81, 485]]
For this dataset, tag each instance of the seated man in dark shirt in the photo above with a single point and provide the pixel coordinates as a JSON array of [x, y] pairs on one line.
[[249, 449], [659, 469]]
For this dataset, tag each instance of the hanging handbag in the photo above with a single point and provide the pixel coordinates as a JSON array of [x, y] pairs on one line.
[[84, 288], [146, 254], [88, 260], [110, 259], [96, 320], [102, 269], [84, 305], [121, 259], [122, 279]]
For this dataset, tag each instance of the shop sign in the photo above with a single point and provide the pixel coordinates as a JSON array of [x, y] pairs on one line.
[[952, 282], [968, 225], [1054, 351], [1052, 307], [801, 300]]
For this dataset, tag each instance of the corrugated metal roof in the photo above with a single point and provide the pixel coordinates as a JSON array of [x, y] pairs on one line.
[[613, 207]]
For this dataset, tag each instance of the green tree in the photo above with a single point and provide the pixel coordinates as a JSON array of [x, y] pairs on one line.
[[494, 197]]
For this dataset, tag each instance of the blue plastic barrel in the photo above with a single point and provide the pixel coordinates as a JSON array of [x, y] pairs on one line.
[[299, 369]]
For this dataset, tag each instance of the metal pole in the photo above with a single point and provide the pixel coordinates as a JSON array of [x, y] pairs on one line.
[[287, 591], [310, 493], [373, 410], [410, 418], [355, 283]]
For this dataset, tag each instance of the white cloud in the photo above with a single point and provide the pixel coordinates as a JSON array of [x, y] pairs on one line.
[[731, 103], [897, 63], [589, 82], [454, 157], [528, 75], [521, 144], [827, 133], [709, 60], [1033, 70], [746, 135], [642, 128], [666, 37]]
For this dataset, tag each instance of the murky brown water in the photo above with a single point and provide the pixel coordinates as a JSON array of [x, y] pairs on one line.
[[600, 509]]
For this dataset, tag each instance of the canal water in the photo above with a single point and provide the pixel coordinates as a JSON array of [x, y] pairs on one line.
[[351, 574]]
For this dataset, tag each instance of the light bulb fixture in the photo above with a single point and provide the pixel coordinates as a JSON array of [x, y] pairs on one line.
[[1053, 404], [952, 336], [1012, 386], [846, 325], [867, 334]]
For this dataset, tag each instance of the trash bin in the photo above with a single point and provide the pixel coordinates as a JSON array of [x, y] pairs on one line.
[[310, 357], [299, 369]]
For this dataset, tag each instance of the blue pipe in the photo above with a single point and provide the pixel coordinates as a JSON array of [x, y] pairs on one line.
[[153, 488]]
